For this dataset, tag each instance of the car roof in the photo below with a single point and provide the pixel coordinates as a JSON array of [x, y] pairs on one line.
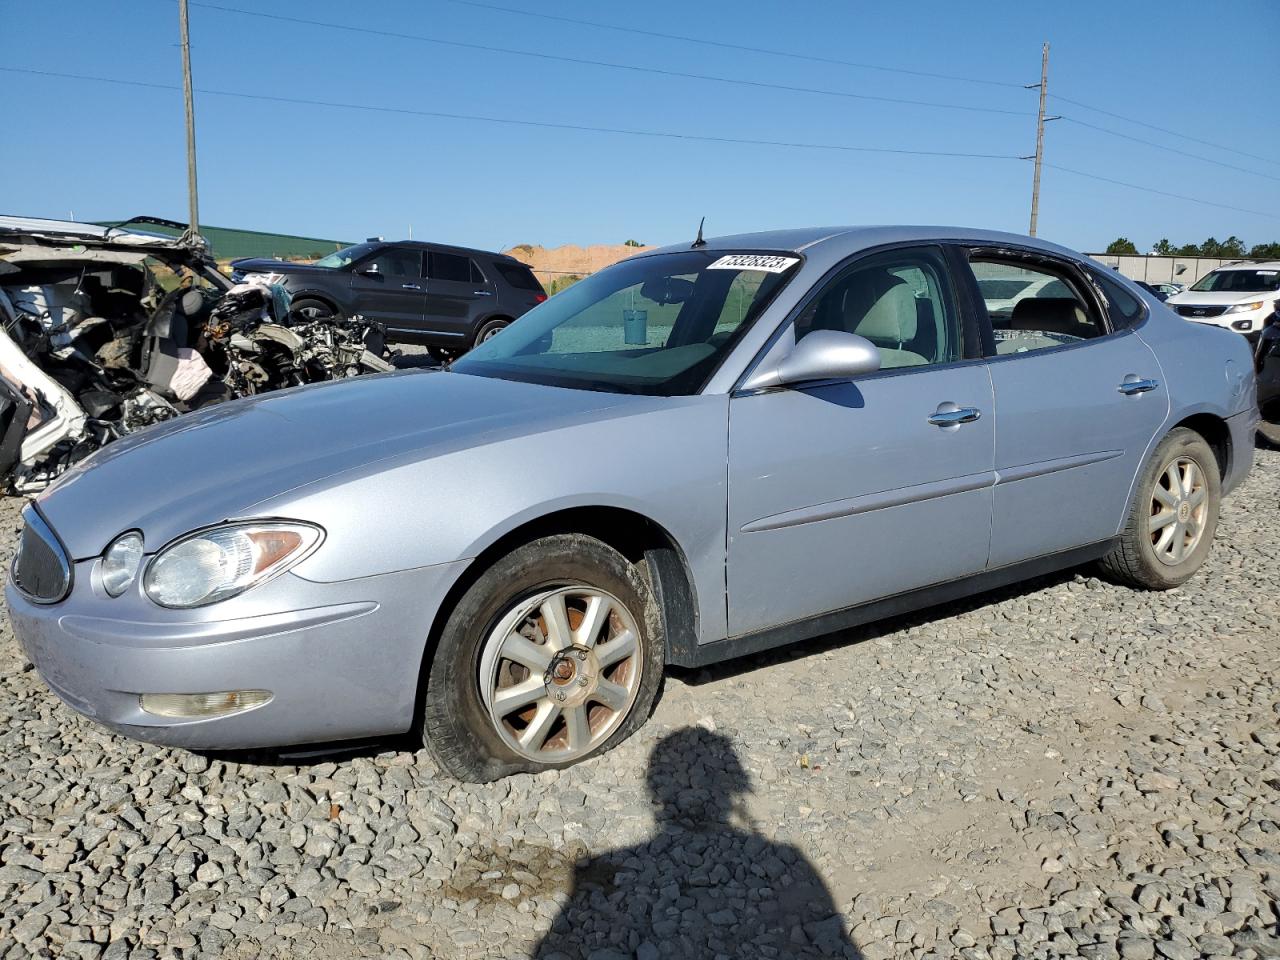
[[854, 238], [448, 248], [1250, 265]]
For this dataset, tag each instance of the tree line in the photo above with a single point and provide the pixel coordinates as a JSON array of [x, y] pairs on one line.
[[1226, 249]]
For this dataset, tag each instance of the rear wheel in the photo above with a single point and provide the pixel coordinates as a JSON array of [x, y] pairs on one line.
[[1172, 518], [555, 654]]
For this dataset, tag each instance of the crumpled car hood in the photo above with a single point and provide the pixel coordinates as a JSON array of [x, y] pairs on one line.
[[216, 464]]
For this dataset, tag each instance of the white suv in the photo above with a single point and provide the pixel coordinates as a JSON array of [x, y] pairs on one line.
[[1239, 296]]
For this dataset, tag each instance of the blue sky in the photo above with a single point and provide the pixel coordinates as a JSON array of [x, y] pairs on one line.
[[102, 150]]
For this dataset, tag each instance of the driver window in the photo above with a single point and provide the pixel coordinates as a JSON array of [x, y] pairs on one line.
[[395, 262], [900, 302]]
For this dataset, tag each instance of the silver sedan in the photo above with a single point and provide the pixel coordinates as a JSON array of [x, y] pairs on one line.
[[698, 453]]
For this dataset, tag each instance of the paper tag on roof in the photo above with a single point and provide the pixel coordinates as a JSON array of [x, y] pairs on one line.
[[754, 261]]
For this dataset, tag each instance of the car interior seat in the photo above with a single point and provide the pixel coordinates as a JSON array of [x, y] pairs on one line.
[[1060, 315]]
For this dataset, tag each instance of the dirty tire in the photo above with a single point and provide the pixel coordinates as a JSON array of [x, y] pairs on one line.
[[1134, 561], [1269, 432], [488, 329], [310, 309], [456, 725]]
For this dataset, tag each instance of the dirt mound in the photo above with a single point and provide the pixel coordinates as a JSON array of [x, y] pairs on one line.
[[552, 263]]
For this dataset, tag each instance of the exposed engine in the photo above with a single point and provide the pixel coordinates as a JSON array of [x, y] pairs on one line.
[[93, 348]]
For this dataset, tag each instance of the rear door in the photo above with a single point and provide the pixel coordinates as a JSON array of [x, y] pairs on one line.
[[1078, 402], [387, 286], [458, 295]]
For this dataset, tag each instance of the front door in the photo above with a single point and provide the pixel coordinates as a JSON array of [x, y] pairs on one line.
[[1079, 404], [458, 294], [388, 287], [845, 492]]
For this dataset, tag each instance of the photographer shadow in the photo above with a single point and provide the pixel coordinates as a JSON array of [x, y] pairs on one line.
[[707, 884]]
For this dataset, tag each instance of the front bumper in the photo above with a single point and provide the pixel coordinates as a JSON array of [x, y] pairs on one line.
[[341, 660]]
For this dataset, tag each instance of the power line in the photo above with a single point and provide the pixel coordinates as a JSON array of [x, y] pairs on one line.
[[733, 46], [1165, 130], [870, 66], [1161, 193], [403, 111], [583, 61], [1160, 146]]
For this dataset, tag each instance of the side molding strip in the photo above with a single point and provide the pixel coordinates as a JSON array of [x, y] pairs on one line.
[[1028, 470], [873, 501]]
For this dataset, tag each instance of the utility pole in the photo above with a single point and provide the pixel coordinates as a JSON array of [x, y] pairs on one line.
[[1041, 120], [193, 212]]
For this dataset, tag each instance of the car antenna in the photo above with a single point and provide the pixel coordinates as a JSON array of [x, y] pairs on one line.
[[699, 242]]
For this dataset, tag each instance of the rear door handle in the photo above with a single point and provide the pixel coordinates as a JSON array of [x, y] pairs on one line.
[[950, 414], [1134, 384], [410, 286], [482, 293]]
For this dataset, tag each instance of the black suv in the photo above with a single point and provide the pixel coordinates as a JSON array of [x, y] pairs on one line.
[[448, 298]]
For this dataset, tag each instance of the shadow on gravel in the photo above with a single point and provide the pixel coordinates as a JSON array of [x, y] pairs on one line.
[[703, 886], [829, 641]]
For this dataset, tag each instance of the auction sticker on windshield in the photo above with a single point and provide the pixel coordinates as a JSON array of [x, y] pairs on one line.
[[754, 261]]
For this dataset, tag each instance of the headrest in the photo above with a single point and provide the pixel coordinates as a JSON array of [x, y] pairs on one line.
[[889, 320], [1049, 314]]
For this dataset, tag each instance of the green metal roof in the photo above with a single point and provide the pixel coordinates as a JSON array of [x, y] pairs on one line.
[[231, 244]]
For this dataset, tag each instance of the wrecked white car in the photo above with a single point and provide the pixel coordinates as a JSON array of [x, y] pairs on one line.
[[93, 346]]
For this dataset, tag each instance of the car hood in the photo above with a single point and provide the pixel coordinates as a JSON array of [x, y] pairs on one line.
[[1212, 298], [216, 464], [265, 265]]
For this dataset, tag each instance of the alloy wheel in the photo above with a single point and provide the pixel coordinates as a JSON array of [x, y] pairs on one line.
[[560, 672], [1179, 509]]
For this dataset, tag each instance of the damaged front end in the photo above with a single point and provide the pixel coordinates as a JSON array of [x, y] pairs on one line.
[[105, 331]]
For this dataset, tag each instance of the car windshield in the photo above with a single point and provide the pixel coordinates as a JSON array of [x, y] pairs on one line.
[[344, 257], [1239, 281], [656, 325]]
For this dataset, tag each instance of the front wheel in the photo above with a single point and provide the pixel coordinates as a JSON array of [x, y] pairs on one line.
[[553, 655], [490, 329], [1172, 518], [310, 310]]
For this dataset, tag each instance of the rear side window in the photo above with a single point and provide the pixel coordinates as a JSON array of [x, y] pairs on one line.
[[518, 275], [1125, 308], [450, 266], [1033, 307]]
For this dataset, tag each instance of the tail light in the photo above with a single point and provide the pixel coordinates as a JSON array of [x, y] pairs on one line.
[[539, 297]]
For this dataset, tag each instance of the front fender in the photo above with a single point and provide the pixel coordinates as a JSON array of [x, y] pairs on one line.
[[664, 460]]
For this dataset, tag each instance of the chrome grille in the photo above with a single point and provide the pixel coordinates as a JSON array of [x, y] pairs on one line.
[[41, 571], [1196, 310]]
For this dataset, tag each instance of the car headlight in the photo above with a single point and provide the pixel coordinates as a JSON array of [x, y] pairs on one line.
[[221, 562], [120, 563], [264, 278], [1247, 307]]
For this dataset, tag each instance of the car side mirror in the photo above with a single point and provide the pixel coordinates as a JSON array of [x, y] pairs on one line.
[[820, 355], [370, 271]]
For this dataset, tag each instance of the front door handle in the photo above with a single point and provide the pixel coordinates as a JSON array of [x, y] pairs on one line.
[[950, 414], [410, 286], [1134, 384], [482, 293]]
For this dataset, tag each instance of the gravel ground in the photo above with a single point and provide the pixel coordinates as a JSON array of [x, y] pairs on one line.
[[1066, 768]]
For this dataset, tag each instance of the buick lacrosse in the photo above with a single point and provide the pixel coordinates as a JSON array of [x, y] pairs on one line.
[[698, 453]]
